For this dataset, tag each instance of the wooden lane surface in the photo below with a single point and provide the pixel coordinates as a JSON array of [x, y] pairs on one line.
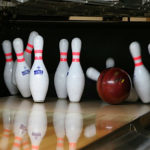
[[99, 119]]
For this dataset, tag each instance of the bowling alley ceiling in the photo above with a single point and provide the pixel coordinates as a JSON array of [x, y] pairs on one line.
[[66, 8]]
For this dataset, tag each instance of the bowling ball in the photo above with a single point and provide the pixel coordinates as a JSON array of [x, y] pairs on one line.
[[113, 85]]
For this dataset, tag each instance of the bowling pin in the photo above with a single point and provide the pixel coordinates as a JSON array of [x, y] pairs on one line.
[[149, 48], [141, 78], [20, 123], [8, 70], [22, 69], [29, 48], [75, 78], [94, 74], [110, 62], [73, 124], [39, 79], [59, 122], [14, 73], [37, 125], [61, 71]]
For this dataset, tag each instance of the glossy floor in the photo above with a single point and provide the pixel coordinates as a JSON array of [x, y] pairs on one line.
[[59, 124]]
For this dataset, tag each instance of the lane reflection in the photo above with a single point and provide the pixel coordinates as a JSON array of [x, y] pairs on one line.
[[33, 126], [37, 125], [8, 114], [73, 124], [59, 122], [67, 121], [20, 123]]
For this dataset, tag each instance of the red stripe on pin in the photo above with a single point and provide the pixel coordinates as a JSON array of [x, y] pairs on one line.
[[137, 58], [63, 59], [76, 53], [75, 60], [28, 51], [20, 60], [38, 51], [19, 54], [35, 147], [60, 144], [138, 64], [16, 145], [8, 54], [72, 144], [30, 45], [6, 135], [9, 60], [18, 138], [60, 139], [63, 53], [6, 130], [38, 58]]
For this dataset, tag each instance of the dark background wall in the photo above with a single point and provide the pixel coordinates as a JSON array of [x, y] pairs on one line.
[[99, 41]]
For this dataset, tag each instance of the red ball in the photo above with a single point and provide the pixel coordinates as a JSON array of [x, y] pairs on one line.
[[114, 85]]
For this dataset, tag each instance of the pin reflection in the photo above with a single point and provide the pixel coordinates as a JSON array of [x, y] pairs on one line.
[[37, 125], [73, 124], [59, 122], [8, 119], [20, 123], [25, 143], [90, 131]]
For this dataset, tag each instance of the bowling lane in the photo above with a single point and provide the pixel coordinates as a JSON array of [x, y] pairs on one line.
[[59, 124]]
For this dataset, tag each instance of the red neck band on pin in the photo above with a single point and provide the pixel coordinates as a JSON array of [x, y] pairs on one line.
[[8, 54], [75, 60], [20, 60], [38, 58], [28, 51], [30, 45], [9, 60], [20, 54], [63, 53], [76, 53], [137, 58], [138, 64], [38, 51], [63, 59]]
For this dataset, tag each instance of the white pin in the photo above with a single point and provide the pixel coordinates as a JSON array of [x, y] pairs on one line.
[[141, 78], [14, 73], [149, 48], [73, 124], [59, 122], [61, 71], [29, 48], [110, 62], [8, 70], [20, 123], [75, 78], [94, 74], [37, 125], [39, 79], [22, 69]]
